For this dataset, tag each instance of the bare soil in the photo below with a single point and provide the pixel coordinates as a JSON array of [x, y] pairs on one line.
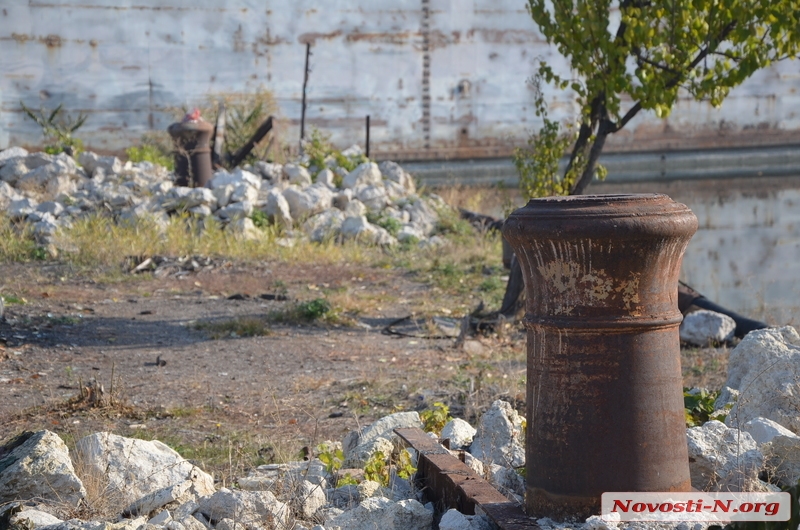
[[234, 402]]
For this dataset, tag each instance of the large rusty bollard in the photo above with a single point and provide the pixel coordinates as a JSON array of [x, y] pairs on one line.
[[192, 151], [604, 393]]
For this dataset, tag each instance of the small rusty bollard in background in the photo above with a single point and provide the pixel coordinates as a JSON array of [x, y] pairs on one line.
[[604, 392], [192, 151]]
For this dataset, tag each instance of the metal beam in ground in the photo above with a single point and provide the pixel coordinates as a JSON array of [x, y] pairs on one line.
[[450, 483]]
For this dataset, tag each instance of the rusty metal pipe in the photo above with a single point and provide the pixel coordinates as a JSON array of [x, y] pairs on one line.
[[604, 391]]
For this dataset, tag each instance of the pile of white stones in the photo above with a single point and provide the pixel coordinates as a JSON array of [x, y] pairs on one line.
[[51, 191], [152, 487]]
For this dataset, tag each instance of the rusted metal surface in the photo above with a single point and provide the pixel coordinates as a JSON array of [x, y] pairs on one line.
[[192, 152], [604, 393], [439, 78], [450, 483]]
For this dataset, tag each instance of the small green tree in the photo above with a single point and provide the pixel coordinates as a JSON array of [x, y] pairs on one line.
[[648, 52]]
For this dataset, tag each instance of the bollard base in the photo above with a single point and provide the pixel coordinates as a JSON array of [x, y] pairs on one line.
[[560, 508]]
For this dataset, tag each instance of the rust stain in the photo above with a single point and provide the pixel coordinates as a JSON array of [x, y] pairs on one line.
[[21, 38], [133, 8], [505, 36], [311, 38], [380, 38], [51, 41], [238, 39]]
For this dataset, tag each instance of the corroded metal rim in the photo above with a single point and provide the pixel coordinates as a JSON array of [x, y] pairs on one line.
[[618, 323], [598, 206]]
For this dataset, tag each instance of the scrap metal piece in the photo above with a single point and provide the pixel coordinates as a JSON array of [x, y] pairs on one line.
[[450, 483], [604, 389]]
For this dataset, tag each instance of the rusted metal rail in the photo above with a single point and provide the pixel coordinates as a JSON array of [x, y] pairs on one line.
[[450, 483]]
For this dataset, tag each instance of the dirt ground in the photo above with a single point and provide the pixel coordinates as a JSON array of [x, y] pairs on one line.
[[233, 402]]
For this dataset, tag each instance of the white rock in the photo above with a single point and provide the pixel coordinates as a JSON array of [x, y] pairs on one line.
[[237, 176], [704, 327], [223, 194], [297, 174], [409, 233], [392, 172], [423, 217], [7, 195], [13, 170], [270, 171], [345, 497], [474, 464], [235, 210], [135, 468], [37, 518], [763, 430], [327, 178], [498, 439], [159, 499], [243, 227], [364, 174], [229, 524], [91, 161], [39, 467], [355, 208], [379, 512], [459, 432], [383, 429], [765, 369], [455, 520], [304, 203], [353, 151], [373, 196], [244, 192], [722, 459], [342, 199], [782, 455], [21, 208], [60, 184], [309, 498], [323, 226], [246, 507], [277, 208], [39, 159], [12, 152], [506, 480], [201, 211], [359, 228], [160, 519]]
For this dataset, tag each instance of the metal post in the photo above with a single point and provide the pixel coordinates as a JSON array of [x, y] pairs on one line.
[[604, 392], [367, 135], [303, 108]]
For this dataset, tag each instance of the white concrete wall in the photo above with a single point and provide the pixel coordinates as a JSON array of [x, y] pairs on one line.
[[128, 62], [746, 253]]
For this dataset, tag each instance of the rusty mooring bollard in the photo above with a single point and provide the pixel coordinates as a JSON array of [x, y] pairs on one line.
[[604, 393], [192, 151]]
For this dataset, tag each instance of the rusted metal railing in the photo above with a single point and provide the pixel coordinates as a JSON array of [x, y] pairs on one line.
[[604, 393]]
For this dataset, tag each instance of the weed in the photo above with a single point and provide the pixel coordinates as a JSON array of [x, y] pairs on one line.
[[10, 299], [237, 327], [244, 113], [378, 467], [318, 309], [436, 417], [58, 129], [699, 407], [260, 219], [151, 153]]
